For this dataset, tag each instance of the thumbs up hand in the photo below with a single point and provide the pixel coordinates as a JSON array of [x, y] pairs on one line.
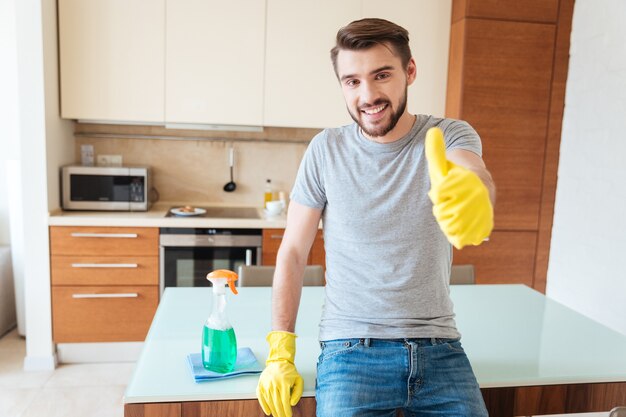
[[461, 202]]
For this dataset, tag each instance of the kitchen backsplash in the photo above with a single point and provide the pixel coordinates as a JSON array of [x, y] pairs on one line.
[[195, 171]]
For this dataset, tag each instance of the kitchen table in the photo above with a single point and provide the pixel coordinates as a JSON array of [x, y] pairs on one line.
[[531, 355]]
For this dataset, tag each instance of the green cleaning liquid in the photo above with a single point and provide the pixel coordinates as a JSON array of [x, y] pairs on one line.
[[219, 349]]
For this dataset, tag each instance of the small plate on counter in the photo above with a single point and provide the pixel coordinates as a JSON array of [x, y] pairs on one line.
[[188, 211]]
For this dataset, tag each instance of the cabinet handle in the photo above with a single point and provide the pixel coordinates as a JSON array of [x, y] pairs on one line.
[[118, 295], [104, 265], [111, 235], [276, 236]]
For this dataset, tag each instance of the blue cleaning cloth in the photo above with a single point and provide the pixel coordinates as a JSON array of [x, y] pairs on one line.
[[246, 365]]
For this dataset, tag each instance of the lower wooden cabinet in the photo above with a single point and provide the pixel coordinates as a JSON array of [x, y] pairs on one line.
[[105, 283], [271, 242], [102, 314]]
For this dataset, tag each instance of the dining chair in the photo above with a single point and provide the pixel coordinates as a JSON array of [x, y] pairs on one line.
[[262, 276], [462, 275], [618, 412]]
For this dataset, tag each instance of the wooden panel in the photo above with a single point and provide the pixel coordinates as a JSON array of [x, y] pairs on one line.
[[454, 91], [153, 410], [459, 10], [248, 408], [318, 254], [63, 243], [557, 103], [526, 11], [508, 257], [102, 319], [104, 270], [271, 242], [506, 91]]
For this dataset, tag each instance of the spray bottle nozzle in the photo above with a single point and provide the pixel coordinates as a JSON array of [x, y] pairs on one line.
[[221, 277]]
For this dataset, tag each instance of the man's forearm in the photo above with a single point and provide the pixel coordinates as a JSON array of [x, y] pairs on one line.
[[286, 291]]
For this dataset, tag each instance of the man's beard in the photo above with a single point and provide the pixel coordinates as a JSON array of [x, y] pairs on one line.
[[381, 130]]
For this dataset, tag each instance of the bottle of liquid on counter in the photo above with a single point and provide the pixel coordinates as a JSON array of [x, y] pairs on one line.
[[219, 344], [269, 192]]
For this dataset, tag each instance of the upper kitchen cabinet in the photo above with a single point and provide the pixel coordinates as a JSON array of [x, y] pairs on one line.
[[301, 89], [112, 59], [428, 23], [214, 64]]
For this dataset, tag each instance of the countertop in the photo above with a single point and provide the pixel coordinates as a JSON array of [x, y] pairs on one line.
[[513, 336], [155, 217]]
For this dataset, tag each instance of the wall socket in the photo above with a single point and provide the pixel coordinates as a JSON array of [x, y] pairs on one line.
[[109, 160]]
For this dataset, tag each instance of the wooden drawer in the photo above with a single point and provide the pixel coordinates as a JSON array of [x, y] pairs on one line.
[[271, 242], [104, 270], [107, 241], [272, 239], [102, 314]]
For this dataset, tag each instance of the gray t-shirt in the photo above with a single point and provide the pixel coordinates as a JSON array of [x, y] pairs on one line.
[[387, 260]]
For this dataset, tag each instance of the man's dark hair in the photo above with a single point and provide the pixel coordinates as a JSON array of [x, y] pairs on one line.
[[366, 33]]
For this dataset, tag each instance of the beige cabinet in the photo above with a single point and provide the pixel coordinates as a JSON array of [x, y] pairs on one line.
[[214, 63], [112, 59], [301, 89], [428, 23], [105, 283]]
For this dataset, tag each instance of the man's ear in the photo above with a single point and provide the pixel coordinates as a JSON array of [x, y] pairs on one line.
[[411, 72]]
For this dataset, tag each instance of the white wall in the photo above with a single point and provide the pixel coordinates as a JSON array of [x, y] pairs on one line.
[[587, 269], [41, 142]]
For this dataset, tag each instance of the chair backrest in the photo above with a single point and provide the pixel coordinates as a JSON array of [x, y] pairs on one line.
[[462, 275], [262, 276], [618, 412]]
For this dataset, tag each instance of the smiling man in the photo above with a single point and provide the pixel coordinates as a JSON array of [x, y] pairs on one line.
[[393, 195]]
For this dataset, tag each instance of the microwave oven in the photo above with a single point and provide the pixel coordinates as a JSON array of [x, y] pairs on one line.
[[106, 188]]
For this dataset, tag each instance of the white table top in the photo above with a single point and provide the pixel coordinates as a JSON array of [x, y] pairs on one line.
[[513, 336]]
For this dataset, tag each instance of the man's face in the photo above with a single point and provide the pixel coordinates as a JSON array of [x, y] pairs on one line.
[[374, 85]]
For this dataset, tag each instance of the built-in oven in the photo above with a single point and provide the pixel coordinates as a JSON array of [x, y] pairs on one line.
[[189, 254]]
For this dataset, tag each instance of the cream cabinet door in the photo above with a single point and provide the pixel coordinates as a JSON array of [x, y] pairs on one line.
[[301, 89], [428, 23], [214, 64], [112, 59]]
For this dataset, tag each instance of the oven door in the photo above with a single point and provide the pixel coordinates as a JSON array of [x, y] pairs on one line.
[[187, 265]]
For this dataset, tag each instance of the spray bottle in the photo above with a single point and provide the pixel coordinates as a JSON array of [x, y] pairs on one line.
[[219, 345]]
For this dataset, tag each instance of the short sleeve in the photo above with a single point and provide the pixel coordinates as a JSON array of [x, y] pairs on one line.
[[459, 134], [309, 188]]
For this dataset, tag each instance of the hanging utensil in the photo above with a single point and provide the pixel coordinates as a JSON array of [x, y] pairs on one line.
[[230, 186]]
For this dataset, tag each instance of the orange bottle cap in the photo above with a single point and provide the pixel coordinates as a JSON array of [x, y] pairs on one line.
[[226, 274]]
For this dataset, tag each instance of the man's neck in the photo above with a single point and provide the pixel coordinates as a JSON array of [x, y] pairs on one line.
[[404, 126]]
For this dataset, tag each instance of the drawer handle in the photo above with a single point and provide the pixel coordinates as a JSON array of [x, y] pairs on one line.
[[118, 295], [104, 265], [276, 236], [110, 235]]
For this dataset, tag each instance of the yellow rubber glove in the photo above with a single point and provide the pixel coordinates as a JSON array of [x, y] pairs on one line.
[[280, 385], [461, 201]]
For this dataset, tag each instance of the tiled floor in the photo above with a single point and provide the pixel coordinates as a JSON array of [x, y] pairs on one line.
[[70, 390]]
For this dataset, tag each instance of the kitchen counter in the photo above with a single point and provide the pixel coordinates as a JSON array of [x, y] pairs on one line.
[[155, 217], [522, 346]]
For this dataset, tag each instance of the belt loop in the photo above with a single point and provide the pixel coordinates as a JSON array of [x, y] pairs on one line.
[[367, 342], [433, 341]]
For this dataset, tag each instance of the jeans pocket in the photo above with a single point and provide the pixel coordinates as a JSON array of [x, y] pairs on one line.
[[334, 348], [455, 346]]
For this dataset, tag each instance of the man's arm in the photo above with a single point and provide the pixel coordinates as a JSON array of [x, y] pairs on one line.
[[473, 162], [302, 225]]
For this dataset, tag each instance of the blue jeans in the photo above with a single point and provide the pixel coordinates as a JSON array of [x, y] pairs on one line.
[[375, 377]]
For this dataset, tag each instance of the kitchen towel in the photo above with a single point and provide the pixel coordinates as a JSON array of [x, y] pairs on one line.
[[246, 365]]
